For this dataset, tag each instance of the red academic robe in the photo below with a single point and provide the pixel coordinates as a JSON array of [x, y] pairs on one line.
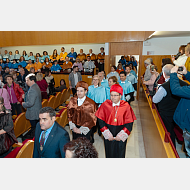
[[124, 121]]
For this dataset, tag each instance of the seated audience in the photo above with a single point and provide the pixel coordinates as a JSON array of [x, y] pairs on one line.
[[16, 95], [55, 67], [104, 82], [30, 64], [150, 82], [62, 86], [45, 54], [62, 55], [22, 62], [101, 57], [54, 56], [78, 64], [6, 55], [187, 53], [74, 78], [37, 65], [167, 102], [92, 55], [11, 56], [182, 58], [32, 57], [7, 135], [7, 72], [72, 55], [50, 81], [128, 89], [32, 70], [42, 85], [181, 115], [17, 55], [8, 63], [1, 63], [39, 57], [147, 74], [14, 74], [113, 72], [25, 55], [88, 65], [14, 65], [21, 78], [81, 56], [67, 64], [80, 148], [119, 68], [47, 64]]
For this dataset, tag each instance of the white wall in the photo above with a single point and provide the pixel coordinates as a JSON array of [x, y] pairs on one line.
[[165, 46], [49, 48]]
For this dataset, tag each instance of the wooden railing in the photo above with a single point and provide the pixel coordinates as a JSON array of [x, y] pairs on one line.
[[165, 135]]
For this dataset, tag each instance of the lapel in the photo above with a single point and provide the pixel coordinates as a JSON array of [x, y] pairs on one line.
[[38, 144], [50, 137]]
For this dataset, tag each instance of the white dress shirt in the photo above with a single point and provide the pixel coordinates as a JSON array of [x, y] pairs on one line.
[[80, 101], [113, 104]]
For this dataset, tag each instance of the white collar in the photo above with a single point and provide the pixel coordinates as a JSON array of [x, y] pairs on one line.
[[113, 104], [82, 99], [122, 81], [96, 86]]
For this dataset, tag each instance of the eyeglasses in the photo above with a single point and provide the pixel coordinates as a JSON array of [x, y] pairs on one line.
[[114, 95], [95, 79]]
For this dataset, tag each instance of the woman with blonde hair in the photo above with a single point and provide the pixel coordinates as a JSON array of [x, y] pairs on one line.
[[42, 85], [187, 53]]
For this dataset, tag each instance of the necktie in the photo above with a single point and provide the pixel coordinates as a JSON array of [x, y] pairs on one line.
[[42, 140]]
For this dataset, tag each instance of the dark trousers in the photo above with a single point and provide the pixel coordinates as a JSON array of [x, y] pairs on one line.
[[101, 67], [33, 127], [16, 109], [88, 135], [169, 124], [115, 149], [6, 153], [74, 91]]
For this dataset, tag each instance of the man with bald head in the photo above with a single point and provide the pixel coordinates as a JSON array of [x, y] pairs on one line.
[[167, 102]]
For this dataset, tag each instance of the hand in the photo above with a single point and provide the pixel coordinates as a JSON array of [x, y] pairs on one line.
[[18, 102], [174, 69], [2, 132], [70, 87], [117, 138], [111, 138], [76, 130], [173, 59], [184, 72]]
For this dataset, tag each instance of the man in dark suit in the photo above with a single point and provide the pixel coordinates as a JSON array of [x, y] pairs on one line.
[[50, 137]]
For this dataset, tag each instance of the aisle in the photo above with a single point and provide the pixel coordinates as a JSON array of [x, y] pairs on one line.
[[135, 145]]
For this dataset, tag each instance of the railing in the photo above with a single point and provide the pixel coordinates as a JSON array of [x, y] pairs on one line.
[[167, 138]]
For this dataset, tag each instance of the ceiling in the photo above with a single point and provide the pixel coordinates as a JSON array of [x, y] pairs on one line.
[[161, 34]]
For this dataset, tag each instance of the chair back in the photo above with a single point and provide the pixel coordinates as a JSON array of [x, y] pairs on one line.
[[27, 150], [63, 118], [63, 95], [44, 103], [51, 102], [57, 99]]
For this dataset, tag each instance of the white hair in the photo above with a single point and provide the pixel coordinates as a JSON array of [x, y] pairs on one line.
[[31, 74]]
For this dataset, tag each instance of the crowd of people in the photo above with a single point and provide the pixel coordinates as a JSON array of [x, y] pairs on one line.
[[170, 93], [26, 91]]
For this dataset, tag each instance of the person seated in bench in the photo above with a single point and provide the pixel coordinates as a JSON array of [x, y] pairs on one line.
[[6, 55], [46, 64], [88, 65], [42, 85], [72, 55], [45, 54], [50, 81], [25, 55], [101, 57], [92, 55], [30, 64], [78, 64], [37, 65], [54, 56], [22, 62], [32, 57], [81, 56], [55, 67], [11, 56], [63, 55], [67, 64], [39, 57], [62, 86], [8, 63], [17, 55], [14, 65]]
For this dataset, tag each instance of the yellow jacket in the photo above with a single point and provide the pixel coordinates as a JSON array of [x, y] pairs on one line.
[[62, 56], [48, 66], [29, 66], [57, 58], [37, 66], [187, 64]]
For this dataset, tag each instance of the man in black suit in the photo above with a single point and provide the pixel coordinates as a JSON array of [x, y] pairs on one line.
[[50, 137]]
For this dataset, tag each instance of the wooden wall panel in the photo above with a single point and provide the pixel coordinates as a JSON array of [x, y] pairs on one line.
[[24, 38]]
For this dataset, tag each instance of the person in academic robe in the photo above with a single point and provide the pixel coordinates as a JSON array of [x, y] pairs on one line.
[[32, 57], [25, 55], [113, 72], [128, 89], [104, 81], [101, 57], [78, 64], [81, 113], [22, 62], [46, 64], [67, 64], [72, 55], [81, 56], [11, 56], [88, 65], [62, 55], [30, 64], [50, 137], [97, 93], [54, 56], [116, 119], [56, 67], [92, 55]]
